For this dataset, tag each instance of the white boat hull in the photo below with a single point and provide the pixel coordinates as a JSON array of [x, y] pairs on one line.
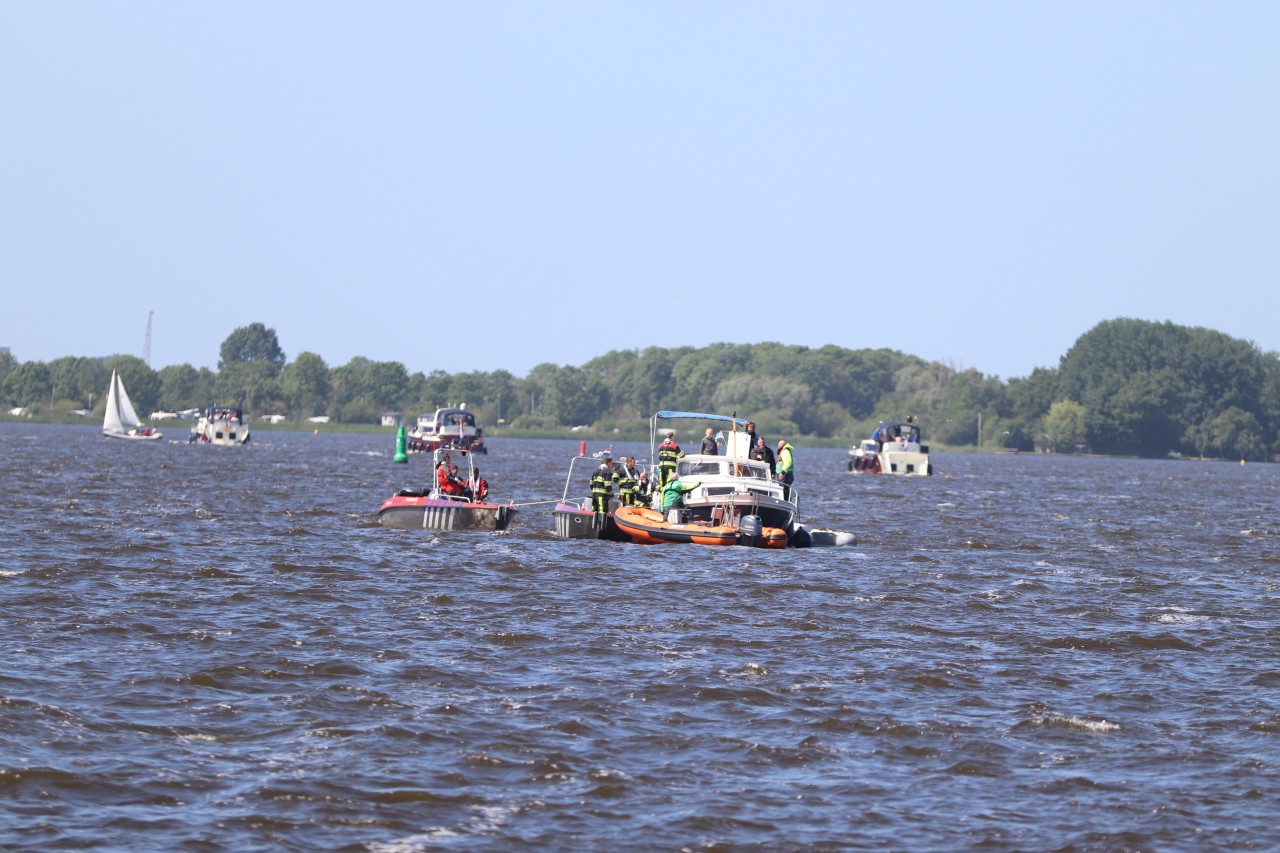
[[133, 436]]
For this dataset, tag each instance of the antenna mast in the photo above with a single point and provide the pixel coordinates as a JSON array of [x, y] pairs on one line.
[[146, 347]]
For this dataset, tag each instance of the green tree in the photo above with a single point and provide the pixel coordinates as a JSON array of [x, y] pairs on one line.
[[1027, 400], [1237, 434], [250, 344], [28, 385], [184, 387], [246, 384], [500, 395], [573, 396], [7, 363], [386, 384], [1064, 425], [81, 380], [432, 391], [304, 383]]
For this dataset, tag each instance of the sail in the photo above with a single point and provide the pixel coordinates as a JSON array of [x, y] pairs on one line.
[[111, 421], [128, 416], [120, 415]]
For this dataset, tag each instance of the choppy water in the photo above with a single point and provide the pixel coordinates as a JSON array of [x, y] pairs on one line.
[[220, 649]]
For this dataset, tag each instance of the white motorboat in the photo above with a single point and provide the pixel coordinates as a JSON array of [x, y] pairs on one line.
[[894, 448], [220, 425], [733, 485], [447, 427]]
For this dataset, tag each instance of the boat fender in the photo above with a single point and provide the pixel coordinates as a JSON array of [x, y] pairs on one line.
[[749, 529]]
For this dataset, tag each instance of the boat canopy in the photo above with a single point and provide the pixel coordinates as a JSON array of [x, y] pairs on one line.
[[698, 416], [732, 444]]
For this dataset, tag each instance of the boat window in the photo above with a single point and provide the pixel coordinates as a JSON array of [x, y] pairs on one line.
[[701, 469]]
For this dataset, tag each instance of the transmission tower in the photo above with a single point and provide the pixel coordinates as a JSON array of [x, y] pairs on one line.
[[146, 347]]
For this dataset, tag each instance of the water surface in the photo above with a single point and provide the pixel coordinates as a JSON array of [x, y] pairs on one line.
[[220, 649]]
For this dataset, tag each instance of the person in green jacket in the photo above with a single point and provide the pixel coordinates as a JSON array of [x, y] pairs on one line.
[[786, 467], [674, 491]]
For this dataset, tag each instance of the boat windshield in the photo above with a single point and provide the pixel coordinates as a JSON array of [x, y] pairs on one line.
[[723, 468]]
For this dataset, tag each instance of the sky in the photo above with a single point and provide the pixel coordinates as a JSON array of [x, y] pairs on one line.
[[461, 187]]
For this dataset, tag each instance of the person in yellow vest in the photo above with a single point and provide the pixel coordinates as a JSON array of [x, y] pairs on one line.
[[668, 454], [628, 477], [786, 465], [602, 484]]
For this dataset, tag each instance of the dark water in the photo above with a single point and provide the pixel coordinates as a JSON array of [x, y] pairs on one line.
[[220, 649]]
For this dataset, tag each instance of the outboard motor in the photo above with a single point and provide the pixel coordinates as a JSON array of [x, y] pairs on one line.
[[799, 537], [749, 530]]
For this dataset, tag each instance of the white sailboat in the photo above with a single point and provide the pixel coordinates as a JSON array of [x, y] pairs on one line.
[[121, 421]]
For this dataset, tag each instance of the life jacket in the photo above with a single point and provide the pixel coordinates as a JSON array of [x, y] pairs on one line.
[[668, 453], [602, 480], [628, 479]]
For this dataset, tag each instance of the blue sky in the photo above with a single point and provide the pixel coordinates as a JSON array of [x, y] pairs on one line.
[[493, 186]]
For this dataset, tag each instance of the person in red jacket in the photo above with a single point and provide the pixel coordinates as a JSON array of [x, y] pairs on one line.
[[447, 479]]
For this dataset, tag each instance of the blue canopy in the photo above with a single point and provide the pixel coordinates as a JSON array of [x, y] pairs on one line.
[[699, 416]]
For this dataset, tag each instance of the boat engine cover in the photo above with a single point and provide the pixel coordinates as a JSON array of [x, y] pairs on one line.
[[749, 529]]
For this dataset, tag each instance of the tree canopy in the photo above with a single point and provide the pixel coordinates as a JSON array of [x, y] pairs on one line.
[[1126, 386]]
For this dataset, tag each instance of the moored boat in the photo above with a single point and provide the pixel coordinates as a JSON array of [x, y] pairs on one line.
[[434, 508], [651, 527], [221, 425], [447, 427], [120, 419], [894, 448], [574, 517], [731, 484]]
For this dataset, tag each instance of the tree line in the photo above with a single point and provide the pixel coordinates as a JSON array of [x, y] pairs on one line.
[[1126, 386]]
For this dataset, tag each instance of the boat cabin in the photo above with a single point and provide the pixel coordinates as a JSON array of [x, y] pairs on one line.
[[894, 431], [229, 414], [723, 475], [447, 422]]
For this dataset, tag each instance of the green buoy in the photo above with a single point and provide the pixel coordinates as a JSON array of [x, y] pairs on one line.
[[401, 455]]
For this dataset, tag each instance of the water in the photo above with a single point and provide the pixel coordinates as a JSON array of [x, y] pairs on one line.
[[220, 649]]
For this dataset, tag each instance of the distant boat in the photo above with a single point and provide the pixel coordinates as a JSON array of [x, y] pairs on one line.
[[448, 427], [120, 420], [221, 425], [894, 448]]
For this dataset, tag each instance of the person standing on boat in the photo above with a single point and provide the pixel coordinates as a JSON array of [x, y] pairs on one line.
[[628, 477], [709, 446], [602, 484], [763, 453], [786, 467], [478, 486], [668, 454], [753, 438], [673, 492]]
